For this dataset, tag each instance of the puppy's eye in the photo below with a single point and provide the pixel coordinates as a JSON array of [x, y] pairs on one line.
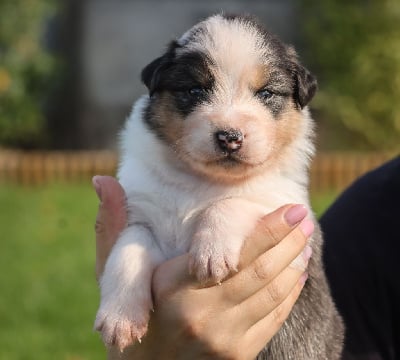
[[196, 92], [264, 94]]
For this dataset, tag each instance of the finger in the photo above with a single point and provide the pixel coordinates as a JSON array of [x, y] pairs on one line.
[[262, 332], [270, 230], [266, 267], [111, 218], [268, 298]]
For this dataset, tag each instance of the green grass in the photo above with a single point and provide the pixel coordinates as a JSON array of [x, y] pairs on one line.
[[48, 292], [321, 201]]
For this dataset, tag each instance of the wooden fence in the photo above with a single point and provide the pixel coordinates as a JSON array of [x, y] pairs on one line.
[[330, 171], [38, 168], [336, 171]]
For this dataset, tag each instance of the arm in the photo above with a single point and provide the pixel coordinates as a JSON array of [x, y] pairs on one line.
[[233, 320]]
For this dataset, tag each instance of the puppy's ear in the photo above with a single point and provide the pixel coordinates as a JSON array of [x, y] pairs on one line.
[[151, 74], [305, 85]]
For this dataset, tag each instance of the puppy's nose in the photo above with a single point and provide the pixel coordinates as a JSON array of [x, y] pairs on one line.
[[230, 141]]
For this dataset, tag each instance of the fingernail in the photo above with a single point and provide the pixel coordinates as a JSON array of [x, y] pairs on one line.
[[97, 185], [307, 252], [303, 278], [307, 227], [295, 214]]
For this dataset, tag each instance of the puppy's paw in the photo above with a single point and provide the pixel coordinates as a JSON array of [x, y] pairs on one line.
[[212, 261], [122, 326]]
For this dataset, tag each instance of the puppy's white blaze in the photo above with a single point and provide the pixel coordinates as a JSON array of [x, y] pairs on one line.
[[222, 37], [234, 47]]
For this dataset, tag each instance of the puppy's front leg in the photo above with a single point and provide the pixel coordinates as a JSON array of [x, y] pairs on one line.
[[126, 288], [219, 237]]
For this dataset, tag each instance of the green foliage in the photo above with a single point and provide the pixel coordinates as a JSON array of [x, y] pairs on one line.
[[26, 71], [320, 201], [354, 47]]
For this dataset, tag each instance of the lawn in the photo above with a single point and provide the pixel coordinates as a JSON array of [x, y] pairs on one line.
[[48, 292]]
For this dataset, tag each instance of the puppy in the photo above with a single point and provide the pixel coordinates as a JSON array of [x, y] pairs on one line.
[[223, 138]]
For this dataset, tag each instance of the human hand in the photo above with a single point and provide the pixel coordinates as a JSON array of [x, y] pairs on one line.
[[232, 320], [111, 218]]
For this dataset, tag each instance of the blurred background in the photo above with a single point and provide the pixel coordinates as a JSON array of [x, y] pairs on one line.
[[69, 70], [69, 74]]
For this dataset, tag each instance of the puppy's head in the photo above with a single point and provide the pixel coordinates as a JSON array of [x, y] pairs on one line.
[[227, 97]]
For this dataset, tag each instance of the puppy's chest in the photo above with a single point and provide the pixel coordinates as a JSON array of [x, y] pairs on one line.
[[171, 217]]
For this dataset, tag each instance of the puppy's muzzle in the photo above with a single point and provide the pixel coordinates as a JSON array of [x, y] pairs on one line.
[[229, 141]]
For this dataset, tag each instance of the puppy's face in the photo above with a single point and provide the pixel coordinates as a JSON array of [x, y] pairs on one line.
[[227, 98]]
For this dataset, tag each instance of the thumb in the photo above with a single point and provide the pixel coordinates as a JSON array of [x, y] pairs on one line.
[[111, 218]]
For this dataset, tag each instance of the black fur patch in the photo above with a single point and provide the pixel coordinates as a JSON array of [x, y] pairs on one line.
[[179, 75], [305, 85], [152, 72], [179, 82], [189, 72], [280, 85]]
